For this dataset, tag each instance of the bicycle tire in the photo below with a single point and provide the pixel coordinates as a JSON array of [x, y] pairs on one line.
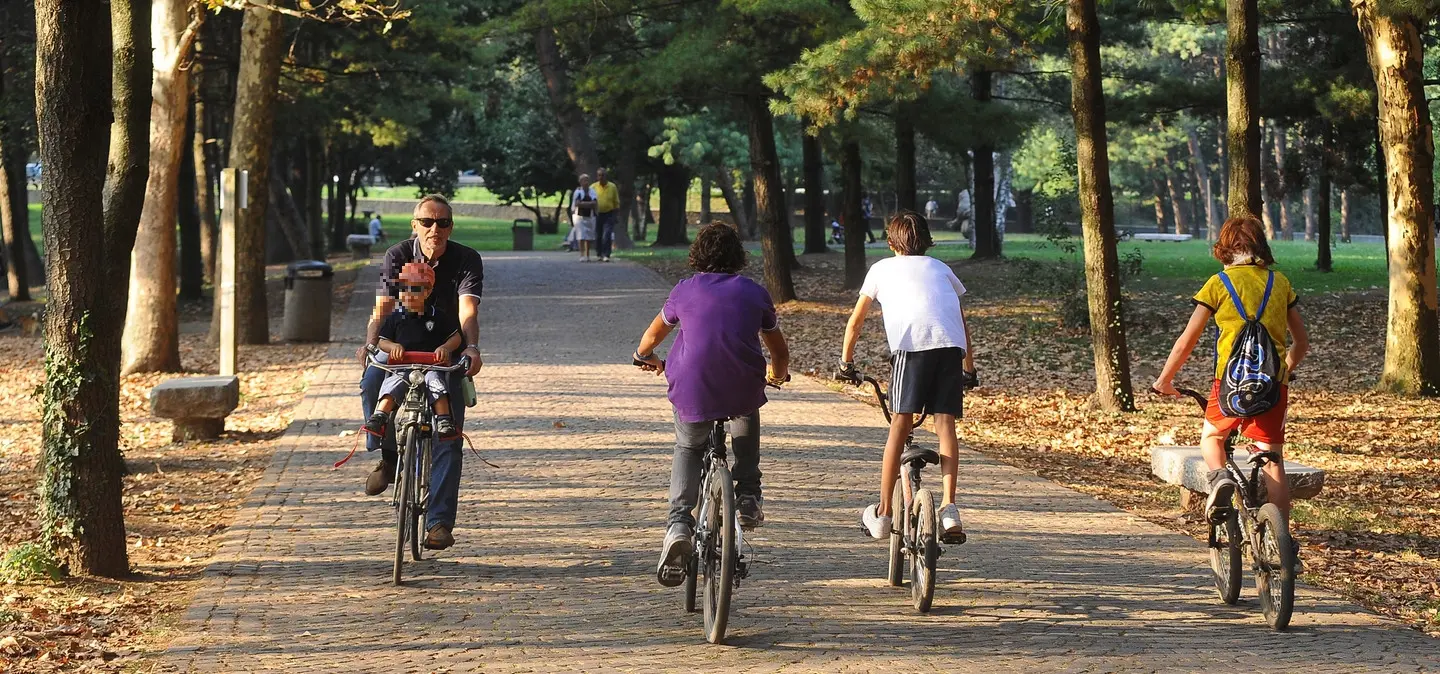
[[420, 500], [1226, 557], [927, 552], [1275, 572], [719, 561], [403, 519], [897, 533], [691, 570]]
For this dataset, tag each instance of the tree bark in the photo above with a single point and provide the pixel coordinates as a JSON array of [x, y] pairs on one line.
[[314, 195], [252, 134], [705, 186], [733, 201], [851, 213], [770, 217], [674, 186], [89, 223], [1162, 203], [1282, 183], [1177, 201], [192, 262], [982, 199], [1097, 211], [1412, 336], [579, 144], [632, 141], [1242, 76], [151, 341], [1202, 180], [295, 235], [904, 158], [1321, 236], [814, 172], [1308, 200], [204, 154], [1345, 216], [17, 111]]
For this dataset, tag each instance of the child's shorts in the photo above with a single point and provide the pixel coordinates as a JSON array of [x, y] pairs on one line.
[[1268, 427], [396, 386], [928, 382]]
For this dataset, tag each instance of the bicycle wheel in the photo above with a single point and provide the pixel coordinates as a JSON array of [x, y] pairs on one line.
[[1226, 557], [927, 551], [897, 533], [1275, 575], [420, 501], [404, 521], [718, 564]]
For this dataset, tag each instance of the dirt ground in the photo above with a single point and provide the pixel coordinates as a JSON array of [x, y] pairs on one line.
[[178, 498], [1372, 535]]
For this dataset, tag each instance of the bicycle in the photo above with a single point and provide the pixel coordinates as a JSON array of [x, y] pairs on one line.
[[717, 539], [915, 534], [415, 436], [1256, 530]]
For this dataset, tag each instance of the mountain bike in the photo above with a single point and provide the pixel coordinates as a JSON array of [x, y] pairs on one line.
[[718, 562], [415, 436], [1250, 528], [916, 536]]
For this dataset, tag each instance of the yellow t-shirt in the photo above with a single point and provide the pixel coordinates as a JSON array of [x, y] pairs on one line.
[[608, 196], [1249, 281]]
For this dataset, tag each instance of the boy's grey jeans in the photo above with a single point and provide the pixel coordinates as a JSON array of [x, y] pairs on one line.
[[691, 439]]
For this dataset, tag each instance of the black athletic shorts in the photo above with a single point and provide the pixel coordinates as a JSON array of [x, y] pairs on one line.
[[929, 382]]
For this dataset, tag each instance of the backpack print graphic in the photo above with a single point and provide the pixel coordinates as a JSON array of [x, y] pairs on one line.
[[1251, 382]]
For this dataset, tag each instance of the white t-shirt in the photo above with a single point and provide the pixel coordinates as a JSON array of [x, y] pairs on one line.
[[921, 300], [582, 194]]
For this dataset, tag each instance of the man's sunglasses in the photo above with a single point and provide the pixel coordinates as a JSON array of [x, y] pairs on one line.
[[417, 289], [427, 223]]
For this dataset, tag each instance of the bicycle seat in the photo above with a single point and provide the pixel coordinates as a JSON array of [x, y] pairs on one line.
[[923, 455], [1262, 458]]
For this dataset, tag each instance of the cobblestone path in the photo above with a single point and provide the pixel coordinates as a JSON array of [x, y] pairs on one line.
[[554, 566]]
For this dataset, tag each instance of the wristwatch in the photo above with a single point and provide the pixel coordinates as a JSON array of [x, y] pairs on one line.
[[473, 346]]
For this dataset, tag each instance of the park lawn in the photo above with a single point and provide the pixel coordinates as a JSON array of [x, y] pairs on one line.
[[1373, 535]]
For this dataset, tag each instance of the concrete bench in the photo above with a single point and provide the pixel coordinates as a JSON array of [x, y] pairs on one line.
[[198, 405], [1185, 467], [1155, 236], [359, 245]]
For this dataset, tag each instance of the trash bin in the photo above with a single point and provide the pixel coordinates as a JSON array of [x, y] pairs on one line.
[[307, 301], [523, 231]]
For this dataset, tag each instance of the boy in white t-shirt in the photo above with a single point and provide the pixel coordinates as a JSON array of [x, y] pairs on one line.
[[932, 359]]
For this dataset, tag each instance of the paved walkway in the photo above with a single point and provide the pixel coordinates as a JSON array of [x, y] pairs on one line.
[[554, 566]]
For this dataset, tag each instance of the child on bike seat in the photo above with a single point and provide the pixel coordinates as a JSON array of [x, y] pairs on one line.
[[716, 371], [932, 358], [1242, 248], [413, 327]]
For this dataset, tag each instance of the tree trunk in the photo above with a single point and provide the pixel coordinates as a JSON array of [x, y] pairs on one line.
[[14, 216], [17, 111], [987, 241], [1162, 203], [747, 199], [313, 195], [733, 201], [1345, 216], [904, 158], [705, 187], [1412, 336], [632, 141], [89, 220], [192, 263], [579, 145], [251, 136], [294, 243], [1177, 201], [769, 200], [1097, 211], [851, 213], [1323, 260], [1242, 77], [204, 154], [151, 342], [814, 173], [1308, 199], [674, 187], [1202, 180], [1282, 183]]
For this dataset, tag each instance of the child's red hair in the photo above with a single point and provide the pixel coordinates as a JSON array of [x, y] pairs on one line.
[[1243, 239]]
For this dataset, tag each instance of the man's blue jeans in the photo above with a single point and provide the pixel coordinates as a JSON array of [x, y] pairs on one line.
[[446, 458], [605, 232]]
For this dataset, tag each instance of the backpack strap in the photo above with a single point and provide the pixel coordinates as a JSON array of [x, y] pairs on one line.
[[1240, 306]]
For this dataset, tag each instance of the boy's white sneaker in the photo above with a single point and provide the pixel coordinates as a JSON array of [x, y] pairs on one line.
[[950, 520], [877, 525]]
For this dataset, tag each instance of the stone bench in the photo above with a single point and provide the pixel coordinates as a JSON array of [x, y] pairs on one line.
[[1156, 236], [359, 245], [198, 405], [1185, 467]]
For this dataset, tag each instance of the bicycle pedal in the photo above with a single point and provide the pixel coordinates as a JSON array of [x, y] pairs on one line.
[[953, 539]]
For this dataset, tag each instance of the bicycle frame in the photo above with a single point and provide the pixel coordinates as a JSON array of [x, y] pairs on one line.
[[715, 455]]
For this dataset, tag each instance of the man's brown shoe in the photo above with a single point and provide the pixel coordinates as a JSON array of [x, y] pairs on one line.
[[438, 538], [380, 478]]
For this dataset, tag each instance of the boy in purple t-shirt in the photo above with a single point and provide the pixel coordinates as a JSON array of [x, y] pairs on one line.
[[716, 370]]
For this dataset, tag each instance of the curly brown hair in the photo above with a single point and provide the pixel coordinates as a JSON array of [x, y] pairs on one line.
[[1242, 241], [908, 233], [717, 249]]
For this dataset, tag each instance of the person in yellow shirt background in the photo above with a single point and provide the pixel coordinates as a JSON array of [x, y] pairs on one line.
[[607, 211]]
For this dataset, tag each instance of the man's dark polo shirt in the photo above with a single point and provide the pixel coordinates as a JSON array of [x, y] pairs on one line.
[[458, 272]]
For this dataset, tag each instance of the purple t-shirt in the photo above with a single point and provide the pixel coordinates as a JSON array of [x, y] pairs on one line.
[[716, 369]]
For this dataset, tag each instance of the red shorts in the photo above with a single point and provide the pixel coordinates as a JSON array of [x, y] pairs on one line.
[[1268, 427]]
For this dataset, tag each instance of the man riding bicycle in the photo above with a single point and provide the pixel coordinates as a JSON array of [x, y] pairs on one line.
[[459, 276]]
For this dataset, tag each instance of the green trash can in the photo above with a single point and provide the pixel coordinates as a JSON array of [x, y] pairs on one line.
[[522, 232]]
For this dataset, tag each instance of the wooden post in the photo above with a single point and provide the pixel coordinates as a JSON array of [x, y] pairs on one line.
[[233, 200]]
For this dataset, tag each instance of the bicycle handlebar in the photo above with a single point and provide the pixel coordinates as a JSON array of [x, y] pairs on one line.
[[413, 360], [772, 383]]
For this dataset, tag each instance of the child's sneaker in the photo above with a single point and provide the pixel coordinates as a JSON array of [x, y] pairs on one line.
[[376, 425], [878, 526], [1222, 492], [951, 528], [674, 555], [752, 513], [445, 427]]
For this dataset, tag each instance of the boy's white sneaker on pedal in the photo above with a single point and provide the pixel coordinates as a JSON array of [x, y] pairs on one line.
[[950, 520], [877, 525]]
